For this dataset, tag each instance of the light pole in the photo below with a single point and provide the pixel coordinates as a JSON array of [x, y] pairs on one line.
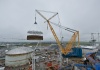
[[33, 57], [60, 57], [98, 38], [61, 53]]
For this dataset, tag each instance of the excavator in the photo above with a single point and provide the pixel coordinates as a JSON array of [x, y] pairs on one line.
[[68, 50]]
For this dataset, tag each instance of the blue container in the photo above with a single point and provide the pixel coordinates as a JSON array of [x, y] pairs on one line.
[[87, 67], [76, 52], [97, 66]]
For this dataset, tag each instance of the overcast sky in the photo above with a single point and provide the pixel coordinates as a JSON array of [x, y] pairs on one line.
[[17, 17]]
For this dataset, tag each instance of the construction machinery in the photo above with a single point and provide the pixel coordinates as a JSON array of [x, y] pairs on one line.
[[93, 59], [69, 50], [91, 62]]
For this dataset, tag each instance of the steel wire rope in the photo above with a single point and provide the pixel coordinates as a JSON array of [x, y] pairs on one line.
[[60, 30], [47, 11]]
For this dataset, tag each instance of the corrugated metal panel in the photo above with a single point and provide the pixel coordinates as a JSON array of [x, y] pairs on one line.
[[17, 60], [34, 32], [19, 50]]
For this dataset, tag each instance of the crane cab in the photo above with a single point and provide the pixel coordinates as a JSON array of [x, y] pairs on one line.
[[76, 52]]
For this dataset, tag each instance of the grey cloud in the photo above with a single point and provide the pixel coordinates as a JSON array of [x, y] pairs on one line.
[[17, 17]]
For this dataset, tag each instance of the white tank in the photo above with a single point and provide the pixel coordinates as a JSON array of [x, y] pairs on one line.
[[18, 56]]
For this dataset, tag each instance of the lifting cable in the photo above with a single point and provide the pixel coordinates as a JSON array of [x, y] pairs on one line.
[[46, 11], [59, 25], [66, 28], [63, 27], [60, 30]]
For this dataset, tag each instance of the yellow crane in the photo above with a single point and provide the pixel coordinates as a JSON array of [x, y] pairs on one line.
[[69, 46]]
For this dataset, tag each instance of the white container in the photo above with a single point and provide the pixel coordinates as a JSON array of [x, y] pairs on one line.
[[18, 56]]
